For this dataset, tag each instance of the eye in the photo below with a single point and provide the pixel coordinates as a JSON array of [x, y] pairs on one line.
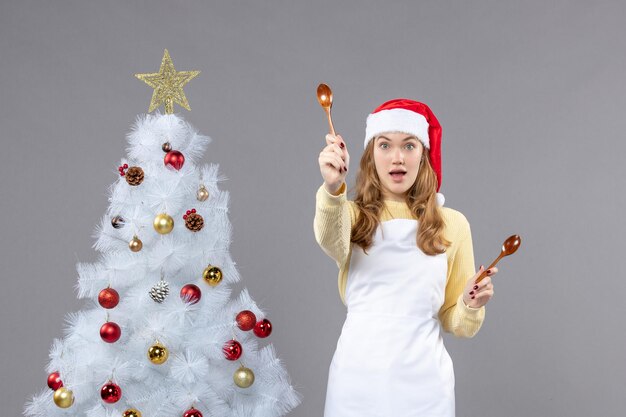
[[383, 145], [410, 144]]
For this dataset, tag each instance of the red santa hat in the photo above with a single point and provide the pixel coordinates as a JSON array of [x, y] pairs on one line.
[[413, 118]]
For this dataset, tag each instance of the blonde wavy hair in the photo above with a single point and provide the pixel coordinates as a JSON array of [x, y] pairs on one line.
[[421, 199]]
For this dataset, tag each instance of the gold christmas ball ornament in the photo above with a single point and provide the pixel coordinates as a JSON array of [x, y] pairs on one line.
[[202, 194], [163, 223], [212, 275], [158, 354], [63, 397], [131, 412], [135, 244], [244, 377]]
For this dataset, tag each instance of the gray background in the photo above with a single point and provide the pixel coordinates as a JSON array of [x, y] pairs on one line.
[[531, 96]]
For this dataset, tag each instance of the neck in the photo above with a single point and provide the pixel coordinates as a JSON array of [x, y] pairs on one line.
[[395, 209], [393, 197]]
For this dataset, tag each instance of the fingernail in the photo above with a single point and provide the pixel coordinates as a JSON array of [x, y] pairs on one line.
[[475, 287], [489, 271], [471, 293], [473, 297], [342, 145]]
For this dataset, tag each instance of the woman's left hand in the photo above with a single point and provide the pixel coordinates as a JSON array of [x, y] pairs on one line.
[[477, 295]]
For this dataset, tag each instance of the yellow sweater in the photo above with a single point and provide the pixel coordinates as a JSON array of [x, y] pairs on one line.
[[334, 217]]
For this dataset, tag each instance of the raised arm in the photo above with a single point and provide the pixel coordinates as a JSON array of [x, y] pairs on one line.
[[332, 223]]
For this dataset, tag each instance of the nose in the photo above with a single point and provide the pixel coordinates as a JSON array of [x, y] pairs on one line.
[[398, 157]]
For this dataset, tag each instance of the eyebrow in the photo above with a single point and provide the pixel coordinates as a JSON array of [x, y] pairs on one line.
[[403, 140]]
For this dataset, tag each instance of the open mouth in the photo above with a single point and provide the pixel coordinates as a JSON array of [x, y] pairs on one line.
[[397, 175]]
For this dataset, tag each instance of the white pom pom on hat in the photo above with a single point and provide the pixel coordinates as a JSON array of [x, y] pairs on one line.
[[413, 118], [440, 199]]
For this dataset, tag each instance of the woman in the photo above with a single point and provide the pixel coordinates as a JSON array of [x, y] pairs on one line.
[[406, 269]]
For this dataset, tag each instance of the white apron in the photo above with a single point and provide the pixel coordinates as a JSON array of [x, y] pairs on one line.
[[390, 359]]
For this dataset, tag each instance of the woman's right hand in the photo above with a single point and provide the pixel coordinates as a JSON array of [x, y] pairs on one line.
[[334, 160]]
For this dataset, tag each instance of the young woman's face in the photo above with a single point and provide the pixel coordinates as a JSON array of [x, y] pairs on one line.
[[397, 152]]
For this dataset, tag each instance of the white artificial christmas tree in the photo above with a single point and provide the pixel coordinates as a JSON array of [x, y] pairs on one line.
[[161, 334]]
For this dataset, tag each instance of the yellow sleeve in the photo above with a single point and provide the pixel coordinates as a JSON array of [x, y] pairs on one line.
[[332, 223], [455, 316]]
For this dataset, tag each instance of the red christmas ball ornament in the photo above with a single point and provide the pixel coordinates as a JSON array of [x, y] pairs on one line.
[[108, 298], [175, 159], [110, 332], [246, 320], [54, 381], [192, 412], [232, 350], [111, 392], [190, 293], [263, 328]]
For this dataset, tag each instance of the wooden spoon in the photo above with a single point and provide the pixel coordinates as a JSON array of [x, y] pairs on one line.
[[325, 98], [508, 247]]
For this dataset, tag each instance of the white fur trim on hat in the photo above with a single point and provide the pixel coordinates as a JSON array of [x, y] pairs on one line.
[[397, 120], [440, 199]]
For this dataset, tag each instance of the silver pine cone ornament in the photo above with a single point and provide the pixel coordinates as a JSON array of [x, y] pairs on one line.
[[159, 292]]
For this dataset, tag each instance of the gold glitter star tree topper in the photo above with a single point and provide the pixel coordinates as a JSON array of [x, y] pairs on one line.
[[168, 85]]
